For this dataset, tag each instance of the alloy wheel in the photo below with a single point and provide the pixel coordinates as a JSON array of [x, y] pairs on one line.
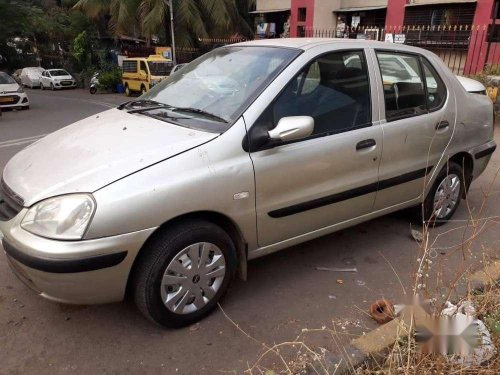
[[192, 278], [447, 196]]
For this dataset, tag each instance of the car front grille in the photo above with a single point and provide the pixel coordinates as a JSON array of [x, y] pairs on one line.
[[9, 99], [10, 203]]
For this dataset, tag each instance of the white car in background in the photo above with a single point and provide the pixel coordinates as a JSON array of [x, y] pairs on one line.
[[11, 94], [57, 79], [30, 77]]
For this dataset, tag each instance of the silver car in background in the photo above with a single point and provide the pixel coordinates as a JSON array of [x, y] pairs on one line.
[[255, 147]]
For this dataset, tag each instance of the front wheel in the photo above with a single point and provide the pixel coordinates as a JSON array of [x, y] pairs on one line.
[[127, 91], [444, 197], [183, 272], [93, 90], [143, 90]]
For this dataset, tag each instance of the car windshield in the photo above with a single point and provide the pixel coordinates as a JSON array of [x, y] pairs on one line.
[[160, 68], [5, 79], [211, 92], [58, 72]]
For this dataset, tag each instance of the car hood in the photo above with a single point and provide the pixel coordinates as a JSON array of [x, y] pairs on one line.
[[62, 77], [95, 152], [9, 87]]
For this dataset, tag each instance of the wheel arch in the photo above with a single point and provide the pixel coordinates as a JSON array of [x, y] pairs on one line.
[[466, 161], [223, 221]]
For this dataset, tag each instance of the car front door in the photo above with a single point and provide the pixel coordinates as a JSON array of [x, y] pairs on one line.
[[419, 122], [331, 176]]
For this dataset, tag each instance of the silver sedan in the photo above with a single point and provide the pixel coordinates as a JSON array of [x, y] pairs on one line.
[[255, 147]]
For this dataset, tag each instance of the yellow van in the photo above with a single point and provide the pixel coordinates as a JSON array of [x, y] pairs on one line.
[[141, 73]]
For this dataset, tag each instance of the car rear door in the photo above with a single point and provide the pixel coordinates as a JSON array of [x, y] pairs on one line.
[[418, 118], [331, 176]]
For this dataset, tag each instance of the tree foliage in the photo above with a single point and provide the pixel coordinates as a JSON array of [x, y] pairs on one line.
[[193, 19]]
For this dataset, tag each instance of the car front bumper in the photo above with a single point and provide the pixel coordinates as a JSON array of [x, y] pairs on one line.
[[77, 272], [64, 84], [14, 100]]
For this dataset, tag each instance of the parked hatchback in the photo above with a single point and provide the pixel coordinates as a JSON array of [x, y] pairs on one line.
[[11, 94], [57, 79], [255, 147]]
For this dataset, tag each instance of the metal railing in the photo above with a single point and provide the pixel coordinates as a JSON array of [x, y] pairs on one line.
[[466, 49]]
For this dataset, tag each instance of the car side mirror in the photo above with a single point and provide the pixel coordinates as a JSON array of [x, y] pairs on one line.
[[292, 128]]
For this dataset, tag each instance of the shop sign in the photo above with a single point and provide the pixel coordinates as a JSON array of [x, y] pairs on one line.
[[399, 38]]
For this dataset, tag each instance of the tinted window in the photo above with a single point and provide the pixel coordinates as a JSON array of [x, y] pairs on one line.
[[334, 90], [5, 79], [58, 72], [436, 90], [404, 90], [160, 68], [130, 66]]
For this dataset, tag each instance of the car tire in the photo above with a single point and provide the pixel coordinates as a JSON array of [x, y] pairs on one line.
[[127, 91], [42, 87], [143, 90], [196, 294], [445, 194], [52, 87]]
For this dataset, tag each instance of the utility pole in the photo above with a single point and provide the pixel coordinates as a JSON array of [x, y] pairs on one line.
[[171, 6]]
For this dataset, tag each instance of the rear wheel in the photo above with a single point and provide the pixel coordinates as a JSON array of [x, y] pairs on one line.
[[183, 273], [444, 198], [127, 91]]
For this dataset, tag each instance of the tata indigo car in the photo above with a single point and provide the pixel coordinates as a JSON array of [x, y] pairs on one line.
[[250, 149]]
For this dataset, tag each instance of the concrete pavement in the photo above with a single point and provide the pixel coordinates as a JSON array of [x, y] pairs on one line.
[[284, 292]]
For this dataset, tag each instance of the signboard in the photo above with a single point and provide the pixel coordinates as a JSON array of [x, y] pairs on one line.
[[355, 20], [399, 38], [389, 38], [372, 34]]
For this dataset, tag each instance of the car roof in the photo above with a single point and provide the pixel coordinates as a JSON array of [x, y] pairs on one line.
[[308, 43], [50, 70]]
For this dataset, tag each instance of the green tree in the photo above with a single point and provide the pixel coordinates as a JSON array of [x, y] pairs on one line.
[[82, 50], [194, 19]]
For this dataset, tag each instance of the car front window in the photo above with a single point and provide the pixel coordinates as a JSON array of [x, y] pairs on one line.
[[222, 82], [5, 79], [160, 68], [58, 73]]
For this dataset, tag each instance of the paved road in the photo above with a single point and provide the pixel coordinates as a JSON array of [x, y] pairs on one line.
[[283, 295]]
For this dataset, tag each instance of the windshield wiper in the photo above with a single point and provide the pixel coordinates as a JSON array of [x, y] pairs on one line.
[[200, 112], [143, 104]]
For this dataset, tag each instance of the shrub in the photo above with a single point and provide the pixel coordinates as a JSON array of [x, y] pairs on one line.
[[110, 78]]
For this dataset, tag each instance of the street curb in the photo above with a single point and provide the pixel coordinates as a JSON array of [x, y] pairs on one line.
[[377, 342]]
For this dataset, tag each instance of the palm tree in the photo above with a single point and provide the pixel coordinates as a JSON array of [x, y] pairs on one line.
[[123, 13], [194, 19]]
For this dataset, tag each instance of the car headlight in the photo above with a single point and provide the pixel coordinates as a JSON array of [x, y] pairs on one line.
[[20, 89], [65, 217]]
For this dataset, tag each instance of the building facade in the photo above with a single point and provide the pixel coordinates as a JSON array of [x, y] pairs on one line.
[[468, 28]]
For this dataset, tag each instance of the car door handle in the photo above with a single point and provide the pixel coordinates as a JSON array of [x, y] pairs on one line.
[[367, 143], [442, 125]]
